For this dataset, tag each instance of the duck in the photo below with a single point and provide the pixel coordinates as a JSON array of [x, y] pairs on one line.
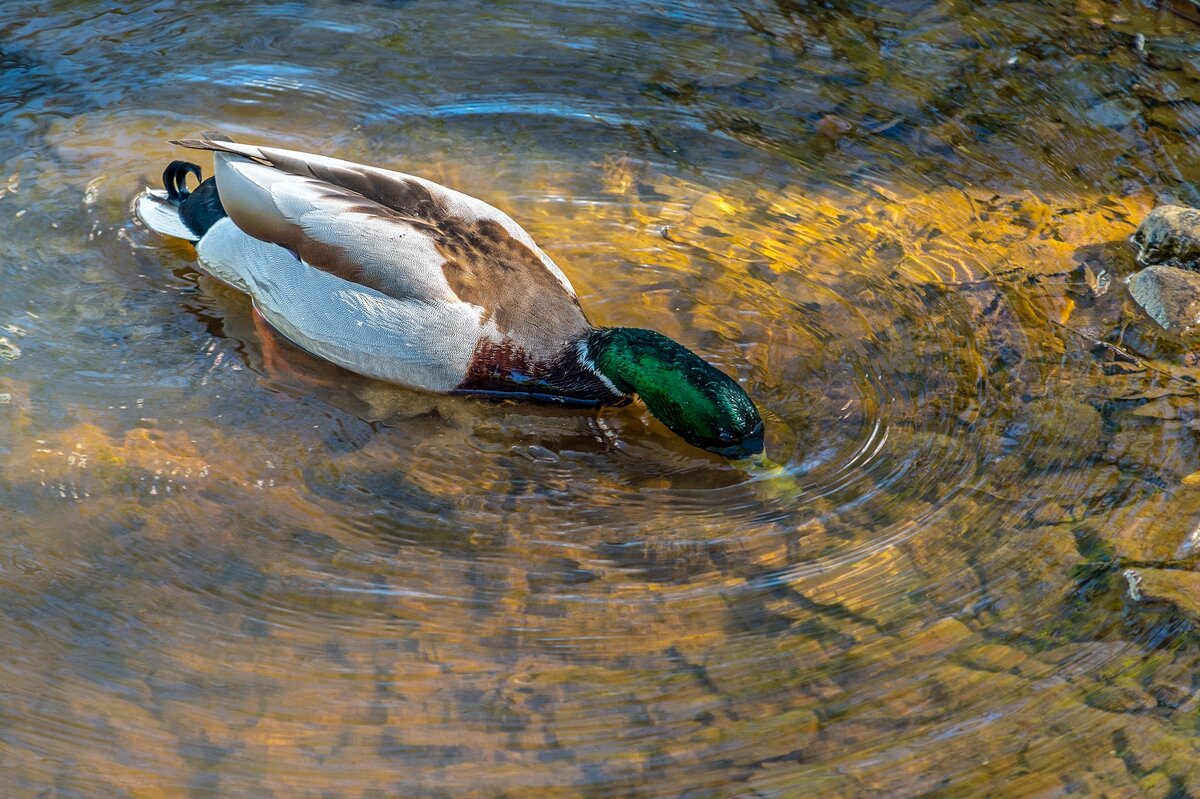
[[404, 280]]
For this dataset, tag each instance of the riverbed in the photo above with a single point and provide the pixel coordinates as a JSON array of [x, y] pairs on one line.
[[228, 570]]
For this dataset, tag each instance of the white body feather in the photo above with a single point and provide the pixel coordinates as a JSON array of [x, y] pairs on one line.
[[409, 342]]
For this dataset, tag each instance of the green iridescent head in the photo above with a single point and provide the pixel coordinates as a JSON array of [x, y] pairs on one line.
[[702, 405]]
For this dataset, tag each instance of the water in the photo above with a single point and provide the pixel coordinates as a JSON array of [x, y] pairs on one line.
[[228, 570]]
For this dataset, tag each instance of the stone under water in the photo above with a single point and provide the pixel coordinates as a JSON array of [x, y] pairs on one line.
[[1170, 296]]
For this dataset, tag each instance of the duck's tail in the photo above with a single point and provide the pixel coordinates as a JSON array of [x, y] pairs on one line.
[[175, 210]]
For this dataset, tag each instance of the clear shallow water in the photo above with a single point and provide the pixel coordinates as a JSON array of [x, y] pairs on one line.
[[228, 570]]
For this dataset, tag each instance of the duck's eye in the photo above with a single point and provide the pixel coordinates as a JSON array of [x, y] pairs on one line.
[[725, 436]]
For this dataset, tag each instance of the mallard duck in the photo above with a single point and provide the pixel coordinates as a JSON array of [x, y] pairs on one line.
[[401, 279]]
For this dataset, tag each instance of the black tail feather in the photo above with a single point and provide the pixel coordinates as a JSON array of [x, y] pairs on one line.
[[175, 180], [200, 209]]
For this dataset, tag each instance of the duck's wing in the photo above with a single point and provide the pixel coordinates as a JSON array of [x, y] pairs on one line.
[[403, 236], [425, 345]]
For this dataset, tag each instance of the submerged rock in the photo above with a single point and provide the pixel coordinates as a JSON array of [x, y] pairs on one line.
[[1170, 234], [1179, 588], [1060, 431], [1170, 296]]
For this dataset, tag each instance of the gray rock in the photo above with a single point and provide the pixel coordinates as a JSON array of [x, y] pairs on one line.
[[1170, 296], [1170, 234]]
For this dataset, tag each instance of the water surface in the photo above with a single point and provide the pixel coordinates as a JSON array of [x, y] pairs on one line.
[[227, 570]]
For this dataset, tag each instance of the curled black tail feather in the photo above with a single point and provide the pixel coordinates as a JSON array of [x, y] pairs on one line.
[[200, 209], [175, 180]]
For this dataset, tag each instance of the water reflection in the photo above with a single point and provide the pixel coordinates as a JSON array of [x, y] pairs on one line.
[[229, 570]]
